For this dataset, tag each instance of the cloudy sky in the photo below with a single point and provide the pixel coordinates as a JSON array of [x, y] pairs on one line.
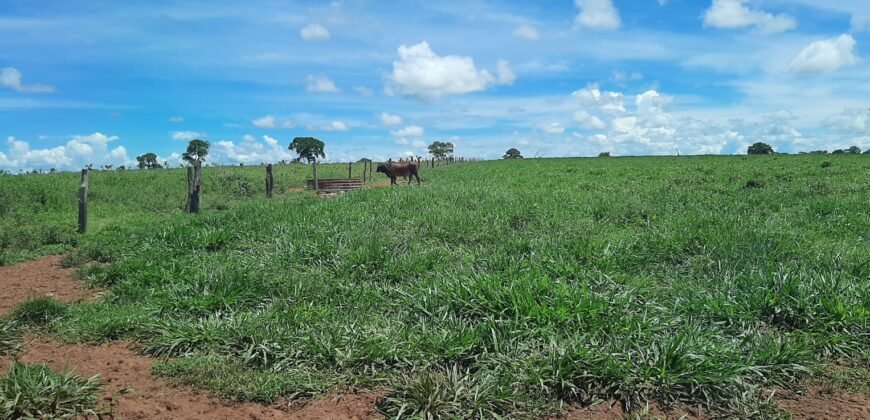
[[99, 81]]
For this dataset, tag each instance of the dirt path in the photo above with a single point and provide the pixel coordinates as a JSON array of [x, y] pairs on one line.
[[43, 277]]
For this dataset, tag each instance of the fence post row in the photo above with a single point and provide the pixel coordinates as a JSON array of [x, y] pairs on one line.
[[83, 202], [270, 181], [194, 186]]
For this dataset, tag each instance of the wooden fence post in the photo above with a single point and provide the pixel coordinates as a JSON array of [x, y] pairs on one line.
[[371, 165], [365, 168], [316, 186], [349, 170], [83, 203], [194, 186], [270, 181]]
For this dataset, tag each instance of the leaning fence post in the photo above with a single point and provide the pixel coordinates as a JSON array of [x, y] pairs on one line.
[[316, 186], [270, 181], [83, 203]]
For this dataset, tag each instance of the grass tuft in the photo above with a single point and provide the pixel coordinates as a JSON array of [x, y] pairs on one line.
[[36, 391]]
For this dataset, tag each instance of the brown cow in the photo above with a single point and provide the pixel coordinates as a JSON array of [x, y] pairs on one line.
[[405, 169]]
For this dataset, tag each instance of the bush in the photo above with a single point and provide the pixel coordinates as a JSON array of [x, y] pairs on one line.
[[35, 391], [604, 154], [826, 164]]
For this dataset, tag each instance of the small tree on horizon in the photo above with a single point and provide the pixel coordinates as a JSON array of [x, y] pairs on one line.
[[512, 153], [854, 150], [604, 154], [196, 151], [148, 161], [760, 148], [440, 149], [308, 148]]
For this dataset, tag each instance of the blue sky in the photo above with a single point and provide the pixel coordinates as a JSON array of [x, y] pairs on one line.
[[104, 81]]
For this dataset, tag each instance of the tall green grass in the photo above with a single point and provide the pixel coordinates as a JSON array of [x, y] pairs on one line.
[[507, 288]]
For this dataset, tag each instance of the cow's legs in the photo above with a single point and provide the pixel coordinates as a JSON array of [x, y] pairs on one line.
[[418, 179]]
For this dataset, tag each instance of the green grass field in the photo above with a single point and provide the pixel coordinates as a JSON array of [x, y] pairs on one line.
[[497, 288]]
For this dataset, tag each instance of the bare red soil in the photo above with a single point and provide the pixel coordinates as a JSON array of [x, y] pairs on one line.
[[43, 277]]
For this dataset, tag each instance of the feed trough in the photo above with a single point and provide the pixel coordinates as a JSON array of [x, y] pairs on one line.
[[334, 186]]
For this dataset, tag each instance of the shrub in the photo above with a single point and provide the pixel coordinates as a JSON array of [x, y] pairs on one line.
[[826, 164], [604, 154], [35, 391]]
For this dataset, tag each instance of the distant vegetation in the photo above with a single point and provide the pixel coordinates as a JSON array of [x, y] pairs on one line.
[[308, 148], [441, 150], [760, 149], [512, 153]]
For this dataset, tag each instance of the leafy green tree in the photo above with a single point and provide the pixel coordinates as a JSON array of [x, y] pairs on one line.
[[760, 149], [838, 152], [308, 148], [854, 150], [512, 153], [148, 161], [440, 149], [197, 150], [604, 154], [867, 152]]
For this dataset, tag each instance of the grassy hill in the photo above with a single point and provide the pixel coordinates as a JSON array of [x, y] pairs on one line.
[[496, 288]]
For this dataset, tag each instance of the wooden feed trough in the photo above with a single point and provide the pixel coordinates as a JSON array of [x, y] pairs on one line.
[[334, 186]]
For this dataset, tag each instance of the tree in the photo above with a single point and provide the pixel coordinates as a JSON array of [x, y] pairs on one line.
[[196, 151], [148, 161], [867, 152], [440, 149], [604, 154], [308, 148], [855, 150], [760, 149], [512, 153], [838, 152]]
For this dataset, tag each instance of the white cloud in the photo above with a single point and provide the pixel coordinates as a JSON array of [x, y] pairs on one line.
[[505, 74], [77, 153], [853, 121], [187, 135], [250, 151], [422, 73], [419, 144], [553, 128], [314, 32], [335, 126], [608, 102], [409, 131], [860, 23], [390, 119], [176, 120], [598, 15], [266, 122], [826, 56], [363, 91], [734, 14], [588, 121], [10, 78], [321, 84], [402, 141], [527, 32]]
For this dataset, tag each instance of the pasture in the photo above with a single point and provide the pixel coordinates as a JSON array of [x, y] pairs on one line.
[[502, 288]]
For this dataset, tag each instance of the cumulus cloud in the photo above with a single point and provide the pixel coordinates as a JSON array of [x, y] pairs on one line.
[[422, 73], [78, 152], [187, 135], [321, 84], [853, 121], [334, 126], [266, 122], [363, 91], [735, 14], [527, 32], [176, 120], [250, 151], [588, 121], [10, 78], [860, 23], [506, 75], [608, 102], [553, 128], [390, 119], [599, 15], [826, 56], [409, 131], [314, 32]]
